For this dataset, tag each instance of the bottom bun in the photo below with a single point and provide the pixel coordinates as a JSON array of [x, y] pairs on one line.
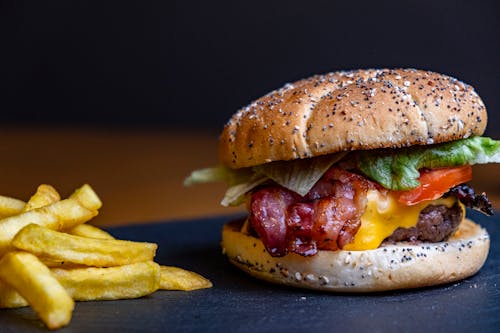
[[398, 266]]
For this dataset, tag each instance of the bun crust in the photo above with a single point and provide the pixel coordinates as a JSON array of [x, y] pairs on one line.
[[354, 110], [399, 266]]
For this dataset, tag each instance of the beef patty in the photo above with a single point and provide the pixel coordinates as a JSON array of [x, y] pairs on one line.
[[435, 224]]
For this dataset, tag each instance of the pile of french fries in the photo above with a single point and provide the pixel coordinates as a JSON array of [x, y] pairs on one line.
[[51, 258]]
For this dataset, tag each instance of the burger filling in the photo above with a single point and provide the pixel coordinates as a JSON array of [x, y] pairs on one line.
[[358, 200], [344, 210]]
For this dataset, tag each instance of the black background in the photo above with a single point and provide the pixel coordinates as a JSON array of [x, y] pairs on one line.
[[193, 63]]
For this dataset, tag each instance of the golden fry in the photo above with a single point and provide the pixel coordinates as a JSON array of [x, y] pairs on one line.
[[174, 278], [91, 284], [45, 195], [78, 208], [53, 263], [10, 298], [89, 231], [34, 281], [121, 282], [87, 197], [10, 206], [50, 244]]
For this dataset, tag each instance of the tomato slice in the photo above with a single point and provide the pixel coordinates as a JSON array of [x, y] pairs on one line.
[[434, 183]]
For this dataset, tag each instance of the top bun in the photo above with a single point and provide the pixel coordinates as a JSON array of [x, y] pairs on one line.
[[353, 110]]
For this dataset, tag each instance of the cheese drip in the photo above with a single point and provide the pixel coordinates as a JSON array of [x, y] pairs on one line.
[[383, 215]]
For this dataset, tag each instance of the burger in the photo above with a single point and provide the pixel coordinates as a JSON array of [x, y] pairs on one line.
[[355, 181]]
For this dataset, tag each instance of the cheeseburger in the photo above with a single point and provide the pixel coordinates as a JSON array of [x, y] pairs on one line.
[[355, 181]]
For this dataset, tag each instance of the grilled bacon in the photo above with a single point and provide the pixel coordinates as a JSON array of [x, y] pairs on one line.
[[326, 218]]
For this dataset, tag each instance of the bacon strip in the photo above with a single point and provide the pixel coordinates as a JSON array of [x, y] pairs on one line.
[[299, 223], [326, 218], [268, 214]]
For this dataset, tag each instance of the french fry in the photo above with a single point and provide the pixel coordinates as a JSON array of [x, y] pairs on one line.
[[10, 298], [10, 206], [121, 282], [87, 197], [54, 263], [55, 245], [89, 231], [92, 284], [80, 207], [34, 281], [175, 278], [44, 195]]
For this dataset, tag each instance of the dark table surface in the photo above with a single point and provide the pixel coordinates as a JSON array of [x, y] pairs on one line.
[[238, 303]]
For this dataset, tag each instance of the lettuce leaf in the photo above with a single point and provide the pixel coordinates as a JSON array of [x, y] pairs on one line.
[[219, 174], [298, 176], [398, 169], [235, 195]]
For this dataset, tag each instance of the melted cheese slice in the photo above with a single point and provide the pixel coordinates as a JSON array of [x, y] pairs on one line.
[[383, 215]]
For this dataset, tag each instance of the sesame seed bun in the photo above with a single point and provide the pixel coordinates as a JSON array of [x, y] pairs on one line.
[[354, 110], [391, 267]]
